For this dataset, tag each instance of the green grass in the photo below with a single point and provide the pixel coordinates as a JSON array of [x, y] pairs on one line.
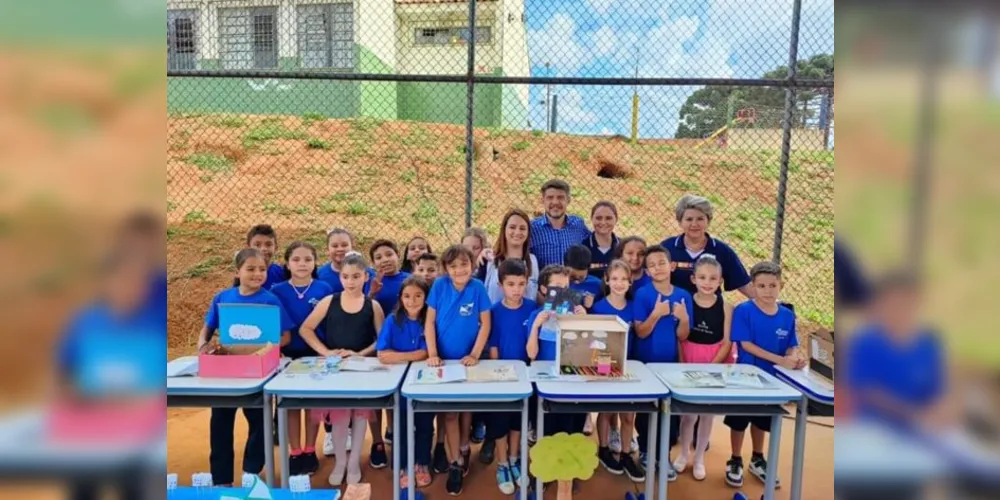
[[408, 176], [358, 207], [204, 267], [206, 178], [228, 121], [533, 183], [317, 170], [663, 148], [418, 137], [426, 211], [520, 145], [171, 206], [317, 143], [196, 216], [635, 201], [537, 133], [309, 118], [685, 185], [584, 154], [562, 168], [717, 201], [269, 130], [210, 162]]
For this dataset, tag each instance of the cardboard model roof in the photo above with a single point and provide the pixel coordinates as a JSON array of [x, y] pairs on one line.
[[589, 322]]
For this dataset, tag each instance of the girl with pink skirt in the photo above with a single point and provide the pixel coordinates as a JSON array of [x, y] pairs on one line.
[[708, 343]]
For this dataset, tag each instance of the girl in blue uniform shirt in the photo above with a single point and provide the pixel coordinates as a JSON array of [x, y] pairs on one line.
[[299, 295], [457, 328], [402, 341], [385, 289], [617, 282], [633, 251], [603, 242], [417, 246], [339, 243], [248, 288]]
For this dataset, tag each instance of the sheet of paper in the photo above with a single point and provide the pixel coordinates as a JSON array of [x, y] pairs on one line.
[[501, 373], [441, 374], [183, 367], [360, 364], [737, 377]]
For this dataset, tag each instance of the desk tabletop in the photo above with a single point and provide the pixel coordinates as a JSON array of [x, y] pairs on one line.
[[347, 384], [866, 451], [646, 386], [470, 391], [815, 389], [198, 386], [25, 444], [189, 493], [774, 392]]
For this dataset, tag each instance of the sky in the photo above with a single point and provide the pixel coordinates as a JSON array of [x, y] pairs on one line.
[[672, 38]]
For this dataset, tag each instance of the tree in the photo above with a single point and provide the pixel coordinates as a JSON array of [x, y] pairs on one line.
[[710, 108], [563, 458]]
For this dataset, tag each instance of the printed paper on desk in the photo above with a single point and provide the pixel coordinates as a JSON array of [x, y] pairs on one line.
[[441, 375], [741, 378], [501, 373], [697, 379], [361, 364], [249, 324]]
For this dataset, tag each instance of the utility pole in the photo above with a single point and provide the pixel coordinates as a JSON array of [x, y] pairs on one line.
[[548, 100]]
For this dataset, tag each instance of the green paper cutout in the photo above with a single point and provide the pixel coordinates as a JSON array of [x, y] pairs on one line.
[[564, 457]]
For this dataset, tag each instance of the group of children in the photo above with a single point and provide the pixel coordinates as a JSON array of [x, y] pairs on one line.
[[418, 306]]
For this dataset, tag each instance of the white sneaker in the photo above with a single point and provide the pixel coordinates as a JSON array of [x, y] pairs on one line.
[[698, 471], [328, 445], [680, 463], [615, 441], [635, 445], [532, 437]]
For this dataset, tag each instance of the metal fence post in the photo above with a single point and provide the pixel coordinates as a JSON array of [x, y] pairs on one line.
[[786, 131], [470, 113]]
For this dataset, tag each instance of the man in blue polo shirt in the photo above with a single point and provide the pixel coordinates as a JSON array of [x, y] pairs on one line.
[[553, 233], [694, 213]]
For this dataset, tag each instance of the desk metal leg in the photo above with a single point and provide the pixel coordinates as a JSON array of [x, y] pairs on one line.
[[282, 444], [539, 434], [269, 442], [524, 449], [772, 457], [664, 452], [411, 485], [395, 449], [799, 451]]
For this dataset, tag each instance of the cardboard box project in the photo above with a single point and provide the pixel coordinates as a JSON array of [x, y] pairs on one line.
[[249, 338], [821, 354], [592, 345]]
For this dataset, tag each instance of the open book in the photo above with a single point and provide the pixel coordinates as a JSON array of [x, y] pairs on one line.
[[440, 375]]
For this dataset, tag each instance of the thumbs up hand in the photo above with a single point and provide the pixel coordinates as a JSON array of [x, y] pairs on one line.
[[662, 307], [680, 310]]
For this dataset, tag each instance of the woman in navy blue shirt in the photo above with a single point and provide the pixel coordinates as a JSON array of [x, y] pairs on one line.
[[694, 214], [603, 241]]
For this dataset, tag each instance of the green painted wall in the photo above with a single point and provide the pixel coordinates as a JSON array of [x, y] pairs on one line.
[[377, 99], [445, 103]]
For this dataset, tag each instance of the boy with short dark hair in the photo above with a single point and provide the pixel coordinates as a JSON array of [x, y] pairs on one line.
[[578, 259], [765, 333], [508, 340], [428, 267], [264, 238]]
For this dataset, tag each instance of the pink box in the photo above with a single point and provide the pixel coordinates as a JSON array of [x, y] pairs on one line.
[[239, 362]]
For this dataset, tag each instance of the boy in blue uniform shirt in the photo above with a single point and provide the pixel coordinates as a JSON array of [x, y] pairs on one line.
[[264, 239], [457, 328], [509, 340], [765, 333], [578, 259], [662, 315]]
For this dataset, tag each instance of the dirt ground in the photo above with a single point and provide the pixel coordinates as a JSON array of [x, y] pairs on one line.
[[187, 453]]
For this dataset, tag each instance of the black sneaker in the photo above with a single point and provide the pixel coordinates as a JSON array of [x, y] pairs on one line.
[[310, 464], [734, 472], [632, 470], [454, 484], [478, 433], [758, 467], [295, 465], [466, 461], [388, 437], [608, 460], [378, 459], [440, 461], [487, 452]]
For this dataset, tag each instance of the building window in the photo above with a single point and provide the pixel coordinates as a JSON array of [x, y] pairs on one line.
[[182, 47], [326, 35], [451, 36], [248, 38]]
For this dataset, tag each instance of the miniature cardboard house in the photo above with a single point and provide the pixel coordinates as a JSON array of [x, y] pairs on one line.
[[821, 354], [594, 344], [249, 336]]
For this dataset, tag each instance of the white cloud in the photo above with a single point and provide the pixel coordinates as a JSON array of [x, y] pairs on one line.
[[604, 41], [244, 332], [573, 111], [607, 131], [556, 43], [600, 6]]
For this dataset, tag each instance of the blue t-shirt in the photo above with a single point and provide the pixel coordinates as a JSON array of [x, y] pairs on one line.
[[734, 274], [300, 309], [407, 337], [639, 283], [546, 344], [627, 315], [661, 345], [509, 329], [332, 278], [599, 260], [275, 275], [590, 285], [457, 321], [773, 333], [233, 296], [388, 296], [912, 371]]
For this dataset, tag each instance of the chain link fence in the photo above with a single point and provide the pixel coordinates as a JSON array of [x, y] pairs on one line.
[[396, 118]]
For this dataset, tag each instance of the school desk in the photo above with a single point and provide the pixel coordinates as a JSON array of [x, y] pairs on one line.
[[765, 402], [189, 493], [375, 390], [468, 397], [198, 392], [816, 399], [642, 395]]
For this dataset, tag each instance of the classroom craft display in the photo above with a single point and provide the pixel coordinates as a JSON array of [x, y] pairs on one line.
[[249, 336], [593, 346], [562, 458], [821, 356]]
